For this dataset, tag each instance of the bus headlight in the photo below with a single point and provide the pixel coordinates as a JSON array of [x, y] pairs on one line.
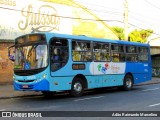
[[39, 79], [44, 75], [16, 81]]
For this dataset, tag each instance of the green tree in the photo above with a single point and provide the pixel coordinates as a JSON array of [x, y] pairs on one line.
[[119, 31], [135, 35], [140, 35]]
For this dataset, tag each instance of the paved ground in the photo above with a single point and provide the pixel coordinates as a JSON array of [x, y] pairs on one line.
[[7, 90]]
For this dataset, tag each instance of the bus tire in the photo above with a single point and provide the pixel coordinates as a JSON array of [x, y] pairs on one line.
[[128, 82], [77, 87]]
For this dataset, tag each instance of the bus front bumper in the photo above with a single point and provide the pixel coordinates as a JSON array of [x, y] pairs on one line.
[[38, 86]]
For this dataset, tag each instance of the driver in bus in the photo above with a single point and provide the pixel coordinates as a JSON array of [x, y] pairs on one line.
[[56, 54]]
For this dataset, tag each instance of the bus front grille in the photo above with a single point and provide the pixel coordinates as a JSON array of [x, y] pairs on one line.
[[25, 81]]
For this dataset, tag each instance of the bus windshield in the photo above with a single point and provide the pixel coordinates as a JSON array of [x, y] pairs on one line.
[[30, 57]]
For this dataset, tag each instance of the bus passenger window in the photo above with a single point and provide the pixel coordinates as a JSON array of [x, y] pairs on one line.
[[81, 51], [132, 57], [59, 53], [118, 54], [76, 56], [115, 58], [143, 54]]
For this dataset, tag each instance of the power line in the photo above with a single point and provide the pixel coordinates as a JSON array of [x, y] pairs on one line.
[[129, 17], [140, 15], [78, 18], [152, 4], [147, 21], [115, 13], [99, 10], [95, 5], [131, 24], [60, 15]]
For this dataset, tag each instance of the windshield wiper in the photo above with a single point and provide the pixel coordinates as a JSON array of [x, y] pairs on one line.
[[30, 51]]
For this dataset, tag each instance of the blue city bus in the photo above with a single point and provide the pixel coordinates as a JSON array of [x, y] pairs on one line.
[[51, 62]]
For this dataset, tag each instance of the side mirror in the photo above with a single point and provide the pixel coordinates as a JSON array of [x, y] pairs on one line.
[[11, 53]]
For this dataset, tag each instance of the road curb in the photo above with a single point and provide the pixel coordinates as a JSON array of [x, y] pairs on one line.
[[23, 96], [147, 84]]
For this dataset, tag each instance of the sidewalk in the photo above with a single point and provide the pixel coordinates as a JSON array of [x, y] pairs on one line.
[[155, 80], [7, 91]]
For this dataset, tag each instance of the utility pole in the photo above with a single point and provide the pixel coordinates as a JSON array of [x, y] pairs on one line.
[[126, 20]]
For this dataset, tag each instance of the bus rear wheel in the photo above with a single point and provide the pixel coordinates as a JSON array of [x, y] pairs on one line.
[[128, 82], [77, 88]]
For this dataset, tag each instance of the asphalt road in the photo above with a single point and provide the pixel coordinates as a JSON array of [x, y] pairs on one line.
[[141, 98]]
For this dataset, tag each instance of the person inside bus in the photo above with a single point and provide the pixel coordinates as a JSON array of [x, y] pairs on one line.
[[115, 58], [97, 56], [121, 58], [76, 54], [56, 54], [55, 59]]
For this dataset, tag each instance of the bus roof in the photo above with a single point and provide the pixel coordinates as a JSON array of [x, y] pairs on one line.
[[83, 37]]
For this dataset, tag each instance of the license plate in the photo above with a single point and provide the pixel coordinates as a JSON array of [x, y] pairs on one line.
[[25, 86]]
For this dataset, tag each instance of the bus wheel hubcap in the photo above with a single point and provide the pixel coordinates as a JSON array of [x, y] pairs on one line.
[[128, 83], [77, 87]]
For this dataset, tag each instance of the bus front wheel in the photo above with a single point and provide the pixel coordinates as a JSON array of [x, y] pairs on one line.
[[128, 82], [77, 88]]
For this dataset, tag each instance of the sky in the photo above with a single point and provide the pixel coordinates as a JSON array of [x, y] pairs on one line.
[[142, 14]]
